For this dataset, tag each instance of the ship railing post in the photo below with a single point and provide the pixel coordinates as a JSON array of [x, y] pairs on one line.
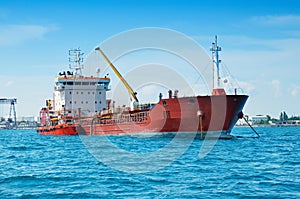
[[200, 114], [91, 126], [201, 129]]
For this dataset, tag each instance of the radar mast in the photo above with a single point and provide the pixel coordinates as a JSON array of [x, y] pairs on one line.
[[76, 61], [216, 62]]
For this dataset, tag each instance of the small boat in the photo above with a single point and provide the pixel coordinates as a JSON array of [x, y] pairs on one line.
[[58, 126]]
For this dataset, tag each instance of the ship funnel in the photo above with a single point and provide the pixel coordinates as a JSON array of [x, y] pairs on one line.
[[170, 94]]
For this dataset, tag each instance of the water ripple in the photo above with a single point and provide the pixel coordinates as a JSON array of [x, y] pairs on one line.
[[34, 166]]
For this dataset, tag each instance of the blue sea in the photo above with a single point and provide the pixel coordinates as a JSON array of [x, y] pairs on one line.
[[35, 166]]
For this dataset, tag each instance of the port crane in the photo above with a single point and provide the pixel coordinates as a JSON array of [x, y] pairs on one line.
[[130, 90], [12, 109]]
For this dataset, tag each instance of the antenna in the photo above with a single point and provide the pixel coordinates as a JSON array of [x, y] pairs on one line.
[[98, 71], [215, 56], [76, 60]]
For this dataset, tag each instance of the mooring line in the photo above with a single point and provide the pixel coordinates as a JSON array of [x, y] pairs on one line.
[[251, 128]]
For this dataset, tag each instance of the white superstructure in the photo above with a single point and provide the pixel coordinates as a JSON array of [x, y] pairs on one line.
[[87, 94], [78, 94]]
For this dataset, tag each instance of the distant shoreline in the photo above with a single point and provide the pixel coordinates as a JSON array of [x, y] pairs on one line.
[[269, 125]]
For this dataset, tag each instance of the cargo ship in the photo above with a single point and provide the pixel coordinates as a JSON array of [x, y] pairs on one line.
[[80, 106]]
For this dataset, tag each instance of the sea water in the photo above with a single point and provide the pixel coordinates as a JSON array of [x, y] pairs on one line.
[[36, 166]]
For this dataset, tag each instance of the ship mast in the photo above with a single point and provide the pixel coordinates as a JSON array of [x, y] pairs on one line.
[[76, 61], [216, 62]]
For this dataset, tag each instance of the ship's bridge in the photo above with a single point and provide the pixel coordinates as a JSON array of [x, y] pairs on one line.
[[75, 82], [73, 92]]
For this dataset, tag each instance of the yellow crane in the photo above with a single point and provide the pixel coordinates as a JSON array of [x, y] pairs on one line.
[[132, 93]]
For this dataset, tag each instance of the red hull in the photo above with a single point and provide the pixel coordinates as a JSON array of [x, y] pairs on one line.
[[62, 129], [186, 114]]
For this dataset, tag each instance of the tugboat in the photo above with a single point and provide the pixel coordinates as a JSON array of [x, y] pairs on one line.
[[84, 98], [58, 126]]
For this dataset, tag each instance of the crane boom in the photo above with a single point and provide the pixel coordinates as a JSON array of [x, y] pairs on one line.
[[132, 93], [12, 102], [8, 101]]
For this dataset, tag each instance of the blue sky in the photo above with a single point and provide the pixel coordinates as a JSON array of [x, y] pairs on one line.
[[260, 41]]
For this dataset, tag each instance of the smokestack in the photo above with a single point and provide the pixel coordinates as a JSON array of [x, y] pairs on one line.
[[170, 94]]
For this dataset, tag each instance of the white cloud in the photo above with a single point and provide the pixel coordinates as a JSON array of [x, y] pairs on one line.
[[246, 86], [295, 90], [273, 58], [29, 100], [148, 89], [277, 20], [277, 87], [15, 34], [8, 83]]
